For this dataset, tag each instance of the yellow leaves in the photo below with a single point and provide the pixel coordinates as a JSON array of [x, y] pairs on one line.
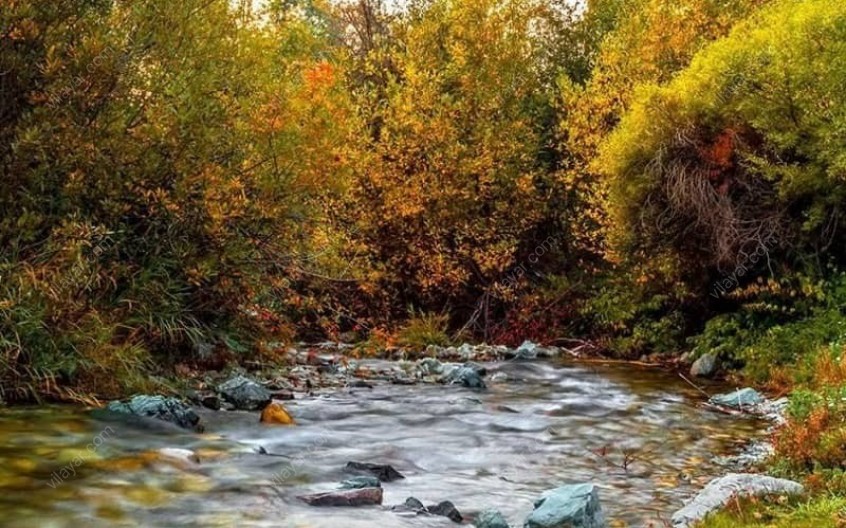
[[526, 184], [408, 207], [224, 197], [52, 61], [269, 118]]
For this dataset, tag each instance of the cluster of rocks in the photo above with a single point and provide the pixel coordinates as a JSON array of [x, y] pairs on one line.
[[445, 365], [362, 490], [365, 489], [237, 393], [465, 352], [243, 393], [750, 401], [328, 366], [721, 491], [416, 507], [483, 352], [572, 506]]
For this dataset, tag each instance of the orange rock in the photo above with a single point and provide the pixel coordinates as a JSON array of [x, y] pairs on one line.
[[275, 413]]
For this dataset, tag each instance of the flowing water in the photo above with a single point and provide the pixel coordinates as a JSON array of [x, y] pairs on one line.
[[639, 434]]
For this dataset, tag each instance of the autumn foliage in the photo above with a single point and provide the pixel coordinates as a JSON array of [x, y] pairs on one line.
[[196, 182]]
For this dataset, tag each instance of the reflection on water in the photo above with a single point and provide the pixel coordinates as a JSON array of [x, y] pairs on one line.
[[636, 433]]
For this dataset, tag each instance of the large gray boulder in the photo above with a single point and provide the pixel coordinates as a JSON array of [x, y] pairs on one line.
[[245, 394], [720, 491], [575, 506], [158, 407], [704, 367]]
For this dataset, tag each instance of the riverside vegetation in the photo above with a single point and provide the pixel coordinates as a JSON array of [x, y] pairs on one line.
[[186, 185]]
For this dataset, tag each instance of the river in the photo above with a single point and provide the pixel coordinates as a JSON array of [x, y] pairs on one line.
[[638, 433]]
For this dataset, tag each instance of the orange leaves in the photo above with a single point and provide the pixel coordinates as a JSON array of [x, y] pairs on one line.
[[719, 158], [819, 439], [829, 368], [319, 77], [719, 153]]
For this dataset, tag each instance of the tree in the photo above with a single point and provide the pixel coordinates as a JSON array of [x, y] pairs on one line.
[[171, 166]]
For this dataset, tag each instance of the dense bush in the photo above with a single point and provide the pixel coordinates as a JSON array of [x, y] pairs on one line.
[[741, 149], [152, 188], [776, 325]]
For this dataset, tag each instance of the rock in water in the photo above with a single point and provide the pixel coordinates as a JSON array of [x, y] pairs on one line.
[[244, 393], [430, 366], [446, 509], [468, 375], [383, 472], [211, 402], [720, 491], [575, 506], [740, 399], [411, 504], [490, 519], [361, 482], [527, 350], [276, 413], [354, 497], [159, 407], [704, 367]]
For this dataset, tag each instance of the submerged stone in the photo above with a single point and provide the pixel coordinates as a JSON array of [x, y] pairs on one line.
[[361, 482], [383, 472], [443, 509], [490, 519]]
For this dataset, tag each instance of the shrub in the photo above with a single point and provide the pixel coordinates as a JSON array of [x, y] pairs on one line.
[[718, 162], [424, 329]]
